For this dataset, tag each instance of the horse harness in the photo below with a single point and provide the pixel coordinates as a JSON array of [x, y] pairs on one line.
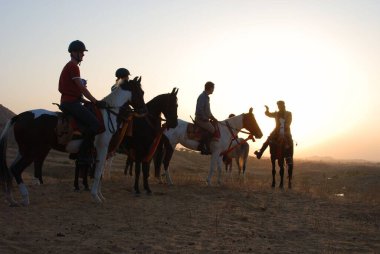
[[235, 138]]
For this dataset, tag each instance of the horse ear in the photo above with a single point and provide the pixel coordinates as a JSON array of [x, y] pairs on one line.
[[135, 79], [250, 110], [176, 92]]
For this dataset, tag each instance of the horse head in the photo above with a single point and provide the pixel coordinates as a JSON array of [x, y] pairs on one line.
[[165, 104], [249, 123], [170, 111], [137, 100]]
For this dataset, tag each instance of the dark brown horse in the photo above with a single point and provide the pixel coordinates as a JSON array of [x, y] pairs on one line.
[[146, 134], [36, 133], [281, 151]]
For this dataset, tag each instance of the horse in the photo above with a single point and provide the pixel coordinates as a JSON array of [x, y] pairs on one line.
[[240, 154], [228, 129], [282, 151], [36, 132], [146, 135]]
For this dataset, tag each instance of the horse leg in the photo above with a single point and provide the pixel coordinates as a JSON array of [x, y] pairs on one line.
[[281, 165], [244, 166], [128, 166], [219, 163], [289, 162], [211, 171], [38, 163], [168, 156], [273, 161], [8, 193], [137, 176], [96, 186], [8, 183], [38, 172], [145, 168], [17, 170], [157, 160], [86, 170], [76, 177]]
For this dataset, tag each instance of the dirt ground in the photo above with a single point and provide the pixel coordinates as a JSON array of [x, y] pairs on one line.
[[333, 208]]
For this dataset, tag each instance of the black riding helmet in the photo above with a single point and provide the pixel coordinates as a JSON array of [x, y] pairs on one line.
[[77, 46], [122, 73]]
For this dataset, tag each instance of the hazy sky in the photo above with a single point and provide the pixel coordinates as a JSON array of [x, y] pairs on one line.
[[321, 57]]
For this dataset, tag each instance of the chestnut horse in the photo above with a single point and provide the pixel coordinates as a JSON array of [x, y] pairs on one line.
[[35, 133]]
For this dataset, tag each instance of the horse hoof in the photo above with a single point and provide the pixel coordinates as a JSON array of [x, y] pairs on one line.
[[25, 203], [86, 189], [76, 190], [273, 185], [14, 204], [148, 192], [281, 186], [96, 198], [101, 196]]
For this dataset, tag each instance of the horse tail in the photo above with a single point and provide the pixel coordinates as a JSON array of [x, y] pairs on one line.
[[5, 174]]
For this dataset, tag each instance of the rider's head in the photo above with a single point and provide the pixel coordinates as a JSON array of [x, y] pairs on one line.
[[209, 87], [122, 73], [281, 105], [77, 49]]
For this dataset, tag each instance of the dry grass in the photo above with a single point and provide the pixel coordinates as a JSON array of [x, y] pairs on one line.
[[238, 217]]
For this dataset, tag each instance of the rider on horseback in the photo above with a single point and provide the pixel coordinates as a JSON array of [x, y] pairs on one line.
[[203, 116], [282, 129], [73, 88], [121, 75]]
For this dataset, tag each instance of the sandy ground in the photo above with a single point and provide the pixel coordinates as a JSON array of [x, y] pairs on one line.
[[333, 208]]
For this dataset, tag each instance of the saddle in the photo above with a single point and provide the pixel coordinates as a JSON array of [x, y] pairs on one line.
[[194, 132], [68, 128]]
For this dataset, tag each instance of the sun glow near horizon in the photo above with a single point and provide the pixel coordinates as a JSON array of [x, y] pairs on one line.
[[317, 78], [320, 57]]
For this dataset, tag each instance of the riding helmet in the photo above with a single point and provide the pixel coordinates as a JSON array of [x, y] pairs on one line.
[[77, 46], [122, 73]]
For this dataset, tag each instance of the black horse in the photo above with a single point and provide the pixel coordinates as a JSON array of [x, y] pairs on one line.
[[147, 131], [282, 151], [36, 132]]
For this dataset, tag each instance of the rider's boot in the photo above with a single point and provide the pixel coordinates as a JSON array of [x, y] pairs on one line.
[[261, 151], [204, 144]]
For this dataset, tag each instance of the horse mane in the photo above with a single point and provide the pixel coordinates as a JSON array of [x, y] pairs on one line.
[[153, 102], [114, 98], [235, 120]]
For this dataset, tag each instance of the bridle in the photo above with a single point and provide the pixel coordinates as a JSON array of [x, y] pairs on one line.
[[234, 137]]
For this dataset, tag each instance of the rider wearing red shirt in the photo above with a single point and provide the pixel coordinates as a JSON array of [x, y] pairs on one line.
[[73, 88]]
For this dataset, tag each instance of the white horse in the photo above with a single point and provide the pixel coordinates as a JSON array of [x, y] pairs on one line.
[[217, 146], [35, 133]]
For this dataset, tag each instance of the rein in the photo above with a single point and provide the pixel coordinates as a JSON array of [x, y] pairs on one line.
[[109, 111], [228, 125], [235, 137]]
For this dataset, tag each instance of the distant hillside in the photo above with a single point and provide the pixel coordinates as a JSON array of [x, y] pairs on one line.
[[5, 115]]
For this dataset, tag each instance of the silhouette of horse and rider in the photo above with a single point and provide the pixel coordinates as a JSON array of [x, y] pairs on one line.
[[38, 131]]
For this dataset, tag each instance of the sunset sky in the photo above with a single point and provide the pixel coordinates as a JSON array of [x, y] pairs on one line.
[[321, 57]]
